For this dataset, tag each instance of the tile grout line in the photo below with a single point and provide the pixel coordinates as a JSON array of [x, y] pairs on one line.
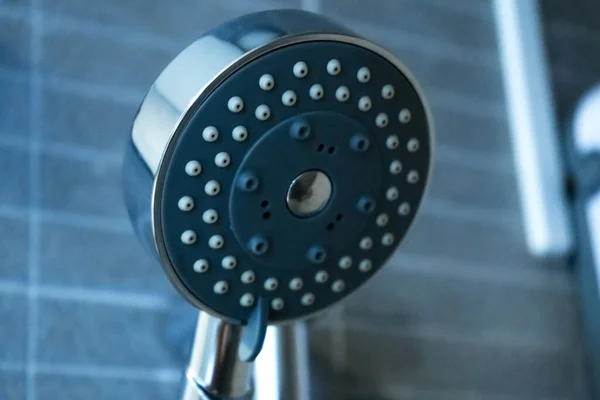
[[441, 209], [11, 366], [90, 295], [534, 279], [447, 100], [74, 370], [163, 375], [451, 154], [357, 322], [35, 95], [125, 299], [115, 225], [509, 219]]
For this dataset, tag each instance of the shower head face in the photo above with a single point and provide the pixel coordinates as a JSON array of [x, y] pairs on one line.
[[293, 180]]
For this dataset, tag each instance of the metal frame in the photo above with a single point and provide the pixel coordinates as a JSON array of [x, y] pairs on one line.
[[531, 115]]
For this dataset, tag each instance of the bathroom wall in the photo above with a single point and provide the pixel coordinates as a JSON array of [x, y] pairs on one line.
[[572, 32], [461, 312]]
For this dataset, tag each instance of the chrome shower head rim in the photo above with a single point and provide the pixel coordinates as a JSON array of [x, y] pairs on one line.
[[205, 92]]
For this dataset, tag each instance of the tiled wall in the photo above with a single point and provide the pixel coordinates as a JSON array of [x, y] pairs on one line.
[[573, 44], [462, 312]]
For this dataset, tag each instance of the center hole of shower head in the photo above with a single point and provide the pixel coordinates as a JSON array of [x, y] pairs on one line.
[[309, 193]]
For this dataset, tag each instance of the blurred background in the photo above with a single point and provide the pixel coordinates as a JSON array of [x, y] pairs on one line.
[[463, 311]]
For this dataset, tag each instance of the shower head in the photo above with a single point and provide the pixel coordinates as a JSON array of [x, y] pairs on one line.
[[276, 164]]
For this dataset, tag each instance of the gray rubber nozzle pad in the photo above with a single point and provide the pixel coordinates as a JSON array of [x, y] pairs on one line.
[[328, 106]]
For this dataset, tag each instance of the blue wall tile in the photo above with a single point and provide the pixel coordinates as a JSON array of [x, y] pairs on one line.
[[14, 42], [13, 341], [14, 248], [14, 105], [101, 335], [12, 385], [82, 184], [104, 259], [14, 175], [103, 124]]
